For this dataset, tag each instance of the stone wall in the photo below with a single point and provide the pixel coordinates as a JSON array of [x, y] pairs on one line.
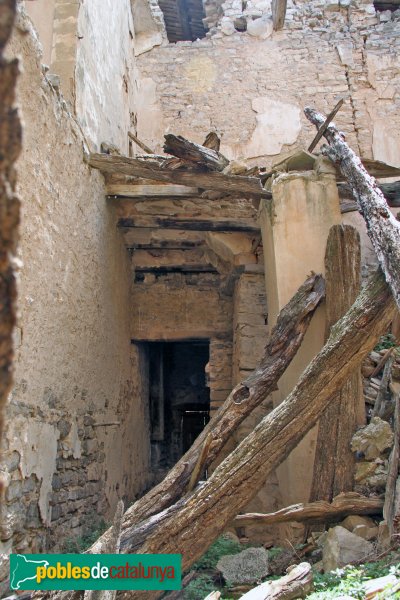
[[77, 437], [252, 91], [89, 48]]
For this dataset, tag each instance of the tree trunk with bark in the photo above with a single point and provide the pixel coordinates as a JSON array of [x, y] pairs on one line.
[[322, 511], [334, 460], [191, 525], [285, 340], [383, 228]]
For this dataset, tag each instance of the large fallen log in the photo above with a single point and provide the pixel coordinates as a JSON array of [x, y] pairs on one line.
[[383, 228], [341, 506], [190, 526], [200, 155], [296, 584], [284, 342], [151, 168]]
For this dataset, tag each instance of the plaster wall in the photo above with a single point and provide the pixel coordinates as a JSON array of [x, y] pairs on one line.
[[75, 368], [295, 228], [42, 15], [252, 91], [104, 75]]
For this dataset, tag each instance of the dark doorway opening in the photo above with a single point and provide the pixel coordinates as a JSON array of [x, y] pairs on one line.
[[183, 19], [179, 399]]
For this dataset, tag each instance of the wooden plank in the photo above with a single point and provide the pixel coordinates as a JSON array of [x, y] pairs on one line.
[[171, 260], [141, 145], [140, 191], [334, 461], [187, 213], [152, 169], [172, 239], [278, 13], [188, 224], [201, 155], [321, 510]]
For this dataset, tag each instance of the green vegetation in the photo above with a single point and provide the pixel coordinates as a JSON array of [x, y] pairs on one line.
[[349, 581], [94, 529], [385, 342], [223, 546], [342, 582]]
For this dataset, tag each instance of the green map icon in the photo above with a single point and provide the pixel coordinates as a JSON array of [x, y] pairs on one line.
[[24, 569]]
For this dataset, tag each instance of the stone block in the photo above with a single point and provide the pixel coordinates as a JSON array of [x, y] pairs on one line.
[[248, 566], [373, 439], [342, 547]]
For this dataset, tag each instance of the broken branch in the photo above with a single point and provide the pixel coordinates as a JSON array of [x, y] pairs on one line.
[[341, 506], [382, 227]]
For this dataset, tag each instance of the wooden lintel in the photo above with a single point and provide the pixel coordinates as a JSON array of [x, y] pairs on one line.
[[152, 169], [171, 239], [171, 260], [188, 225], [135, 190]]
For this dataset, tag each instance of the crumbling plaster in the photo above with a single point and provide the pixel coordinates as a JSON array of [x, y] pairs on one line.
[[75, 367], [325, 51]]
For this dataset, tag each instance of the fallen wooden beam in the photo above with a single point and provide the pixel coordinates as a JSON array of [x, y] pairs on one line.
[[285, 339], [196, 519], [200, 155], [382, 227], [296, 584], [152, 169], [321, 510]]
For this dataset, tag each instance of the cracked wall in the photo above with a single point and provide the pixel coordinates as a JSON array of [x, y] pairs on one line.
[[77, 434]]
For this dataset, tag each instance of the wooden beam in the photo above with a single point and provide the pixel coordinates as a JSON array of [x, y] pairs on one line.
[[172, 239], [152, 169], [382, 227], [189, 214], [136, 190], [334, 460], [200, 155], [341, 506], [324, 127], [141, 145], [278, 13], [188, 224], [171, 260]]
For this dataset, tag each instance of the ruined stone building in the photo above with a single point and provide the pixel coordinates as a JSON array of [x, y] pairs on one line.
[[141, 304]]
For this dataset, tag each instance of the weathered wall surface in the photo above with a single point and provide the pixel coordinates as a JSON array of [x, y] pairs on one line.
[[104, 76], [90, 47], [75, 366], [253, 90], [180, 306]]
